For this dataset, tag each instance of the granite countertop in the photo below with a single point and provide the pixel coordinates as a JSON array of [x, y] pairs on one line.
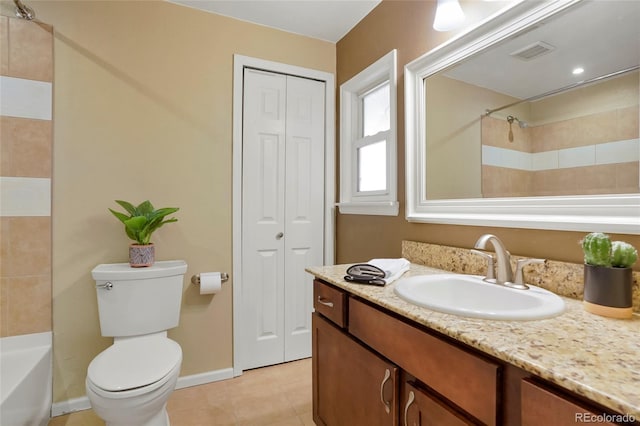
[[596, 357]]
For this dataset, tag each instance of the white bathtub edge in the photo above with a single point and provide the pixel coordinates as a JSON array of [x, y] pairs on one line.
[[82, 403], [26, 341], [34, 356]]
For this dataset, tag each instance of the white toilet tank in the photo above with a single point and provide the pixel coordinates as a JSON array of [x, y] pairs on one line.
[[136, 301]]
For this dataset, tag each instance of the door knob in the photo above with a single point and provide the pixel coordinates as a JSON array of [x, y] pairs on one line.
[[279, 235]]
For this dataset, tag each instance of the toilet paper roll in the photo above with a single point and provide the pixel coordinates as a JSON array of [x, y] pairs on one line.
[[210, 282]]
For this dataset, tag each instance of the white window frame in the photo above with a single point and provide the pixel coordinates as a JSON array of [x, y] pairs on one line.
[[384, 203]]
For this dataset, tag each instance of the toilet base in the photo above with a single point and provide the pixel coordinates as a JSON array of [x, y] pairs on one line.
[[160, 419], [139, 406]]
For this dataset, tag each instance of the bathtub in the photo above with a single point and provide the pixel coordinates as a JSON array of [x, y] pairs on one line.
[[25, 384]]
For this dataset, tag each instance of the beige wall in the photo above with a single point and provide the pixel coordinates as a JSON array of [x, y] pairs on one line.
[[406, 26], [143, 109], [25, 152], [453, 132]]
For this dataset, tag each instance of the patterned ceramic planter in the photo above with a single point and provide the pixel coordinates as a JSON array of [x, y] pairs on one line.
[[141, 255], [607, 291]]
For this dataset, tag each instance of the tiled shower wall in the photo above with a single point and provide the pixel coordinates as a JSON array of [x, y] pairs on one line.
[[26, 134], [593, 154]]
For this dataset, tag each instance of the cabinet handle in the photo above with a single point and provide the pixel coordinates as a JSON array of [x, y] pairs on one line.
[[325, 302], [387, 405], [412, 397]]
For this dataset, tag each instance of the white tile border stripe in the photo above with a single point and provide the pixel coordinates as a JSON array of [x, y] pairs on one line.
[[20, 196], [24, 98], [612, 152], [624, 151], [577, 157]]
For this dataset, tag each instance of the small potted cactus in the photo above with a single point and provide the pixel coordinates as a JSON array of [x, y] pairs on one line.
[[608, 276]]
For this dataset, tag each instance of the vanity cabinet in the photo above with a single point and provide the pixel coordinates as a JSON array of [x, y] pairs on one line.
[[352, 385], [355, 384], [375, 367], [465, 379], [542, 405]]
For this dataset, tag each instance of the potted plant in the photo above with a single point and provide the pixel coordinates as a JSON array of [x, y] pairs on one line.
[[608, 276], [139, 223]]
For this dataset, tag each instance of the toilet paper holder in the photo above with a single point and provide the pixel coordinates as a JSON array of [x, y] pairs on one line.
[[195, 279]]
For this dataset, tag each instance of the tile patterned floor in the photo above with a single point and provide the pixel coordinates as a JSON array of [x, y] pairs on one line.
[[277, 395]]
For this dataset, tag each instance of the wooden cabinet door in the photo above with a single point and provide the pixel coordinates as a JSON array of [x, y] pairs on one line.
[[424, 409], [352, 386], [542, 406], [466, 379]]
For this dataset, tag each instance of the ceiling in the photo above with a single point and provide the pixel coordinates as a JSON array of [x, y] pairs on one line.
[[600, 36], [326, 20]]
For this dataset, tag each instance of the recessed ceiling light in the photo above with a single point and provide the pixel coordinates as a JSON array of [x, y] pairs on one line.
[[578, 71]]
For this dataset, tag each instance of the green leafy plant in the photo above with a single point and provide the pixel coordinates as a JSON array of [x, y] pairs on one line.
[[600, 251], [143, 220]]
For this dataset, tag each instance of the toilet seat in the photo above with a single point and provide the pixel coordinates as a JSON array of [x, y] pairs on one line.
[[134, 364]]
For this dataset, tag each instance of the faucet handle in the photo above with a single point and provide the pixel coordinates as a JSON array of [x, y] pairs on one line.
[[491, 275], [520, 264]]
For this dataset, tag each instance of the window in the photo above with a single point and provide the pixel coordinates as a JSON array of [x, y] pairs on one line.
[[368, 140]]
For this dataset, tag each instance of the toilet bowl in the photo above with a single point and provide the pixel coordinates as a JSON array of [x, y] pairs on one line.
[[130, 382]]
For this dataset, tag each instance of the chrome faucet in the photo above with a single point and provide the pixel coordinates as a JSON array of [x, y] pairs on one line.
[[504, 273]]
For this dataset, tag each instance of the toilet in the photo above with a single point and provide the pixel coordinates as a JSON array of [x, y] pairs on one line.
[[130, 382]]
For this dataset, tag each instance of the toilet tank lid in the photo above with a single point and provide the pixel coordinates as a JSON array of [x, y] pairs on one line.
[[123, 271], [134, 363]]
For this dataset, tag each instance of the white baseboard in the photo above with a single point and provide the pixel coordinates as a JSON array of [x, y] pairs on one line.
[[202, 378], [82, 403], [70, 406]]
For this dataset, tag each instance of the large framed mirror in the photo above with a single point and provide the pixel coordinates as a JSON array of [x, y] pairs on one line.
[[500, 131]]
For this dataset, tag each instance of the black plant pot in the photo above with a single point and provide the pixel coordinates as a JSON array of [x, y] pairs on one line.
[[608, 291]]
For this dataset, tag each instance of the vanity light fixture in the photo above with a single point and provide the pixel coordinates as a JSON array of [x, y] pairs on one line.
[[577, 71], [449, 15]]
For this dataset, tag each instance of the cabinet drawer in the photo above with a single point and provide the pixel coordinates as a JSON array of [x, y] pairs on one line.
[[423, 409], [330, 302], [542, 406], [467, 380]]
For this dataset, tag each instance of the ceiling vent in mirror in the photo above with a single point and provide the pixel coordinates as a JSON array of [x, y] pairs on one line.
[[532, 51]]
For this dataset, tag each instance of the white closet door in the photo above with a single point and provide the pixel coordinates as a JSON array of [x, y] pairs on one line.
[[263, 157], [304, 207], [282, 202]]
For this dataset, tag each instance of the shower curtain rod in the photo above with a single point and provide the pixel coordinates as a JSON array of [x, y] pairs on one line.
[[562, 89]]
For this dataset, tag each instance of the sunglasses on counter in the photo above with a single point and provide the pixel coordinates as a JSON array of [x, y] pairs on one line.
[[365, 274]]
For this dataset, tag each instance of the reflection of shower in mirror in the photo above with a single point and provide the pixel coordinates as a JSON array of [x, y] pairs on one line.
[[511, 119], [23, 11]]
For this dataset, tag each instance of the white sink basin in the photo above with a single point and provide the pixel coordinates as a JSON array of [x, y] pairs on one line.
[[470, 296]]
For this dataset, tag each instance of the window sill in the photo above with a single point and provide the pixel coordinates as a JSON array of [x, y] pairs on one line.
[[374, 208]]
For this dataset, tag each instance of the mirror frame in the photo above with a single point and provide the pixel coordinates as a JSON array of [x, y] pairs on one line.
[[616, 213]]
